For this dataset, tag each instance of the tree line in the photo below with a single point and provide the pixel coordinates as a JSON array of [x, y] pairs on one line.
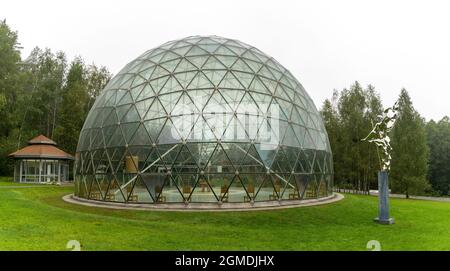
[[46, 94], [421, 150], [43, 94]]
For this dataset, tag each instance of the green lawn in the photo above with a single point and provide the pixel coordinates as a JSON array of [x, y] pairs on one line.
[[38, 219]]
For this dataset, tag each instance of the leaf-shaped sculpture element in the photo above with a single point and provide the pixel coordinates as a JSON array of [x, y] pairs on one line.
[[379, 135]]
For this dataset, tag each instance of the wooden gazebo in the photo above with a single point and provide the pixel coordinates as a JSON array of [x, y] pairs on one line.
[[41, 162]]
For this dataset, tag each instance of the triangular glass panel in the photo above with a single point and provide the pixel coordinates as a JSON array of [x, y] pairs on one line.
[[172, 189], [131, 116], [250, 161], [290, 137], [109, 98], [137, 191], [185, 163], [296, 116], [244, 78], [98, 141], [202, 152], [251, 56], [143, 106], [170, 65], [237, 49], [136, 91], [281, 163], [169, 101], [197, 61], [169, 134], [228, 60], [270, 85], [264, 71], [213, 64], [257, 86], [203, 191], [108, 132], [156, 110], [181, 50], [169, 56], [158, 84], [263, 187], [156, 56], [185, 78], [230, 81], [266, 153], [140, 137], [154, 127], [311, 189], [147, 73], [114, 192], [289, 189], [223, 50], [127, 81], [117, 138], [129, 129], [220, 184], [137, 81], [245, 185], [196, 51], [200, 81], [308, 142], [147, 91], [215, 76], [184, 66], [277, 74], [209, 47], [233, 97], [126, 99]]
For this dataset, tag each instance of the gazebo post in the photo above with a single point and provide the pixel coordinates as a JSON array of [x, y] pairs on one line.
[[40, 169], [20, 168], [59, 171]]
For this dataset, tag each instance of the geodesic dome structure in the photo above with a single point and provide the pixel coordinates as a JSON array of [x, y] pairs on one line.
[[203, 120]]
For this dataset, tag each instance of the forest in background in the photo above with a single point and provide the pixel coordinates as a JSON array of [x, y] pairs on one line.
[[44, 93], [47, 94]]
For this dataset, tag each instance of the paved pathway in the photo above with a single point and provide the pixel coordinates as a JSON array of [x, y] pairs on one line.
[[400, 196], [441, 199]]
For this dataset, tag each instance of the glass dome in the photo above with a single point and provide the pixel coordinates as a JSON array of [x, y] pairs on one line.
[[203, 119]]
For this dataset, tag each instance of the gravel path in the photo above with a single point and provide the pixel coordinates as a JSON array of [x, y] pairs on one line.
[[440, 199], [400, 196]]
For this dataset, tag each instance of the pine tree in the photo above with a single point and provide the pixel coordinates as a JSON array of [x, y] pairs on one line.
[[73, 108], [410, 150]]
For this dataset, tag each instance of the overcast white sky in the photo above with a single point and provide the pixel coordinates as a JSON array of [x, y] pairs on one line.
[[326, 44]]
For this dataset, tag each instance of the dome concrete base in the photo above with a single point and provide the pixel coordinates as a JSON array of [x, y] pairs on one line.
[[195, 207]]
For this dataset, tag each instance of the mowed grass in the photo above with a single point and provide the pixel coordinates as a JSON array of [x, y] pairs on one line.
[[38, 219]]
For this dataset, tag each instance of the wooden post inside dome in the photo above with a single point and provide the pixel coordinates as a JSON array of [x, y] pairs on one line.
[[131, 163]]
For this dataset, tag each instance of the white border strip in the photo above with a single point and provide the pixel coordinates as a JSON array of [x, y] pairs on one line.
[[205, 207]]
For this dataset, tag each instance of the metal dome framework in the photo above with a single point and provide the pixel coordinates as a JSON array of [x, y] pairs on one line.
[[137, 146]]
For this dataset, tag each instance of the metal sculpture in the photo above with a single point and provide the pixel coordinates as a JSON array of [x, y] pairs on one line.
[[380, 137]]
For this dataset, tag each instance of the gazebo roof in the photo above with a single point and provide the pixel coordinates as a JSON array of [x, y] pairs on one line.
[[41, 147], [41, 139]]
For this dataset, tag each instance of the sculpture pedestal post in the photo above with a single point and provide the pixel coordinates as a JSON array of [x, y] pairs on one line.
[[383, 199]]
